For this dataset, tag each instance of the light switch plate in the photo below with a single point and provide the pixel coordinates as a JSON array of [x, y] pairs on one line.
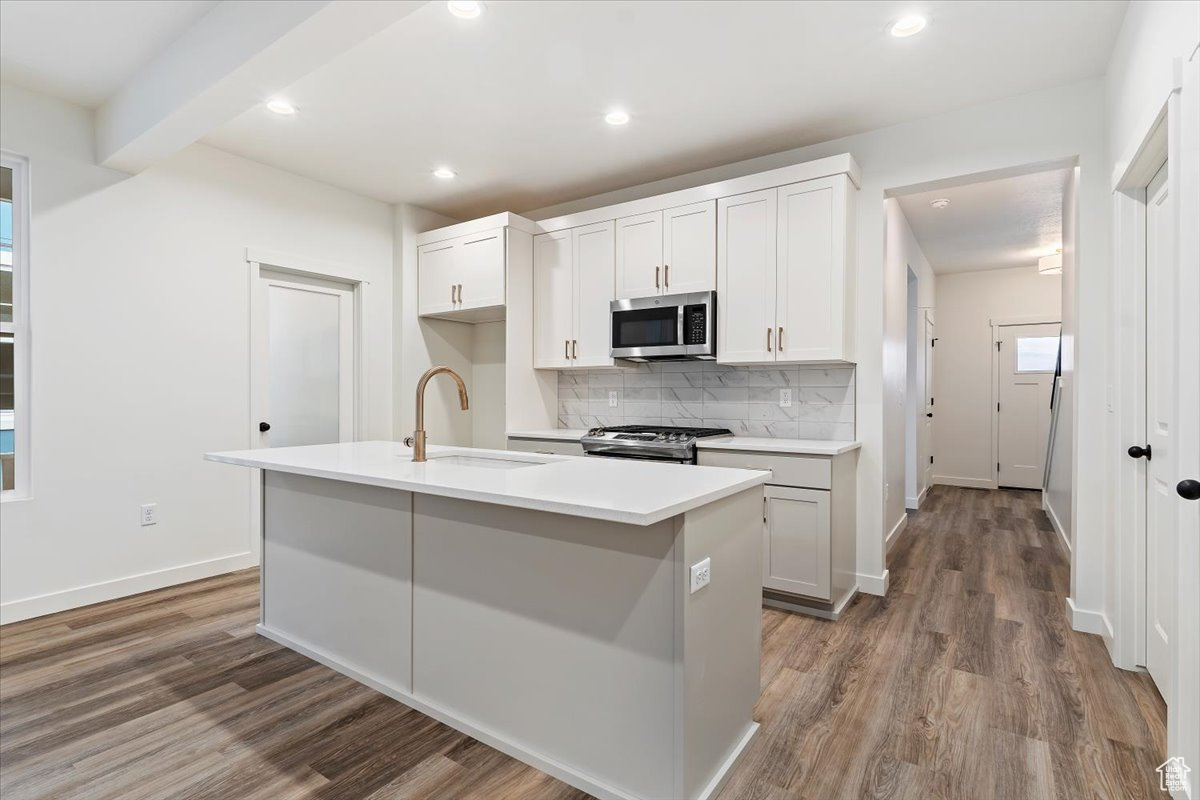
[[701, 574], [785, 398]]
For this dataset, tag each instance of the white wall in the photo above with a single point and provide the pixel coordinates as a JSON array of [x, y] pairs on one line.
[[901, 253], [487, 387], [1060, 496], [140, 361], [963, 377], [1039, 127]]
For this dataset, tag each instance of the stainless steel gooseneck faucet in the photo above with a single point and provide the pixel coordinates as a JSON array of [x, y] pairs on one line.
[[417, 440]]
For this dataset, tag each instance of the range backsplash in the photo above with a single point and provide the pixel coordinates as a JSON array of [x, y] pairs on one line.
[[743, 399]]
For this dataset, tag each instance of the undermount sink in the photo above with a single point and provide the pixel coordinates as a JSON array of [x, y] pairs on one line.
[[484, 462]]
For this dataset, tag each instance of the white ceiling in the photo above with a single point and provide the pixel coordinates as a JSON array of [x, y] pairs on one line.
[[1009, 222], [514, 100], [84, 50]]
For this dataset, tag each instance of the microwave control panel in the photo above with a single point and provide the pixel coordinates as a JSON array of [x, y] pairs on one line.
[[695, 324]]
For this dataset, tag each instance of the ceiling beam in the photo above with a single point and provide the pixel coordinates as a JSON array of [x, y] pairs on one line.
[[233, 58]]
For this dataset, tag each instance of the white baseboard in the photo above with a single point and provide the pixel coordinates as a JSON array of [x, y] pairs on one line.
[[968, 483], [1054, 522], [30, 607], [1086, 621], [873, 584], [914, 503], [894, 533]]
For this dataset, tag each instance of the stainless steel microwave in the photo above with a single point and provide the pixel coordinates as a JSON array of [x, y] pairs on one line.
[[670, 327]]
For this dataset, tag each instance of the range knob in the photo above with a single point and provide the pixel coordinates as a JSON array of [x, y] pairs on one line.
[[595, 431]]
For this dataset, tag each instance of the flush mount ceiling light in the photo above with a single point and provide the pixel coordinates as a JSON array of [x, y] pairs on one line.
[[1051, 265], [617, 117], [278, 105], [909, 25], [940, 203], [445, 173], [465, 9]]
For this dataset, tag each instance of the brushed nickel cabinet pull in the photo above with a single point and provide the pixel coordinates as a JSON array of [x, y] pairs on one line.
[[656, 272], [567, 349], [574, 348], [452, 300], [666, 276], [460, 293], [779, 340], [768, 340]]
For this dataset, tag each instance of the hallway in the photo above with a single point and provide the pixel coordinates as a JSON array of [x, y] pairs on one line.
[[965, 682]]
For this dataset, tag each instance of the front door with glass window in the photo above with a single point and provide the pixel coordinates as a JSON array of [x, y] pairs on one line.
[[1027, 358]]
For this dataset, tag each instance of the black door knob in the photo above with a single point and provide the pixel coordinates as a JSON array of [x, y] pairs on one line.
[[1138, 452], [929, 415], [1188, 489], [264, 426]]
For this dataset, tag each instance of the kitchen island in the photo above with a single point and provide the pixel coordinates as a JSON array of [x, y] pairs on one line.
[[542, 604]]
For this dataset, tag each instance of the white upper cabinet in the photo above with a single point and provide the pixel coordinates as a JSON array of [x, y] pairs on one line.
[[595, 260], [746, 226], [463, 277], [572, 287], [667, 252], [785, 274], [690, 248], [639, 255]]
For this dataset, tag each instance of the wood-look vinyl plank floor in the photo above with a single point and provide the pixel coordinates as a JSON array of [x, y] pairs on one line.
[[964, 683]]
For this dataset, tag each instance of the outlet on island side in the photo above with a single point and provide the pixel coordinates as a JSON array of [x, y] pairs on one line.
[[701, 574], [149, 514], [785, 398]]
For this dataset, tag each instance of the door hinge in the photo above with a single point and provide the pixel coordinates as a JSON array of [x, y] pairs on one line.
[[997, 467], [997, 406], [997, 347]]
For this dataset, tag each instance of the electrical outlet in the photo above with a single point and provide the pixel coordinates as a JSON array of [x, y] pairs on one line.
[[701, 574], [785, 398], [149, 514], [612, 399]]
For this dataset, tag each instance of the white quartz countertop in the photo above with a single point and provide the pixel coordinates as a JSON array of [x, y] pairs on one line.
[[757, 444], [618, 490]]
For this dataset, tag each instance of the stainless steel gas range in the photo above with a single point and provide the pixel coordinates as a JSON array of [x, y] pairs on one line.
[[650, 442]]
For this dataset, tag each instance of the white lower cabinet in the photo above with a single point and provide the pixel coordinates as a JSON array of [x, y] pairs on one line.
[[796, 541]]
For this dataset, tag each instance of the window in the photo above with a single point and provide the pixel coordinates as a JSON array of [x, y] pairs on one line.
[[1037, 353], [14, 327]]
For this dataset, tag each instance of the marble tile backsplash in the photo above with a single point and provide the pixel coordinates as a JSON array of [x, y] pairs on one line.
[[743, 399]]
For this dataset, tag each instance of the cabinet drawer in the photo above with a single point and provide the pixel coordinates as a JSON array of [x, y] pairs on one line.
[[808, 471], [558, 447]]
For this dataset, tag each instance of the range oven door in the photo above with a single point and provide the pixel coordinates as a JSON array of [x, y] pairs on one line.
[[678, 326]]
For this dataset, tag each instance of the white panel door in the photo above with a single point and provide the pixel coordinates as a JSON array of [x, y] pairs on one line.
[[746, 240], [927, 429], [690, 248], [480, 270], [595, 260], [796, 541], [1026, 364], [639, 255], [306, 381], [1161, 512], [553, 300], [811, 289], [437, 277]]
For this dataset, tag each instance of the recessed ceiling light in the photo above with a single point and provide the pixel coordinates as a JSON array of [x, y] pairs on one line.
[[616, 117], [281, 106], [444, 173], [465, 9], [908, 26], [941, 202]]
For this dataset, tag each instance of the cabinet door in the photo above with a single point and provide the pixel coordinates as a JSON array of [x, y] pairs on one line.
[[553, 299], [481, 269], [639, 255], [595, 260], [812, 271], [690, 248], [796, 541], [436, 277], [746, 237]]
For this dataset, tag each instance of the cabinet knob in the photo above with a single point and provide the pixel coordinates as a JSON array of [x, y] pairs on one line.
[[263, 427], [1139, 452], [929, 414], [1188, 489]]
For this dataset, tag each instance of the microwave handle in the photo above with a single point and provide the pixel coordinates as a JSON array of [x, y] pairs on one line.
[[680, 313]]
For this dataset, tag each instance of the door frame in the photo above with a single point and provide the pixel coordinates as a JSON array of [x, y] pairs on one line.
[[997, 323], [259, 259]]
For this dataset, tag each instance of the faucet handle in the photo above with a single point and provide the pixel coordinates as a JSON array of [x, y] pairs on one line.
[[409, 441]]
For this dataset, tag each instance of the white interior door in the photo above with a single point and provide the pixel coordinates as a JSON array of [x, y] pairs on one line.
[[927, 428], [1160, 434], [304, 372], [1025, 378]]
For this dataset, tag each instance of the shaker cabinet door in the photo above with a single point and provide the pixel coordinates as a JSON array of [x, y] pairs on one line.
[[746, 240], [595, 261], [639, 255], [690, 248], [796, 555], [553, 299]]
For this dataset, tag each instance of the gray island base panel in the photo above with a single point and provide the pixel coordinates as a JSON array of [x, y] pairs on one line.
[[570, 643]]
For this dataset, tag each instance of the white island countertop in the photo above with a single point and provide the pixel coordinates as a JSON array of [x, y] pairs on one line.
[[617, 490], [756, 444]]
